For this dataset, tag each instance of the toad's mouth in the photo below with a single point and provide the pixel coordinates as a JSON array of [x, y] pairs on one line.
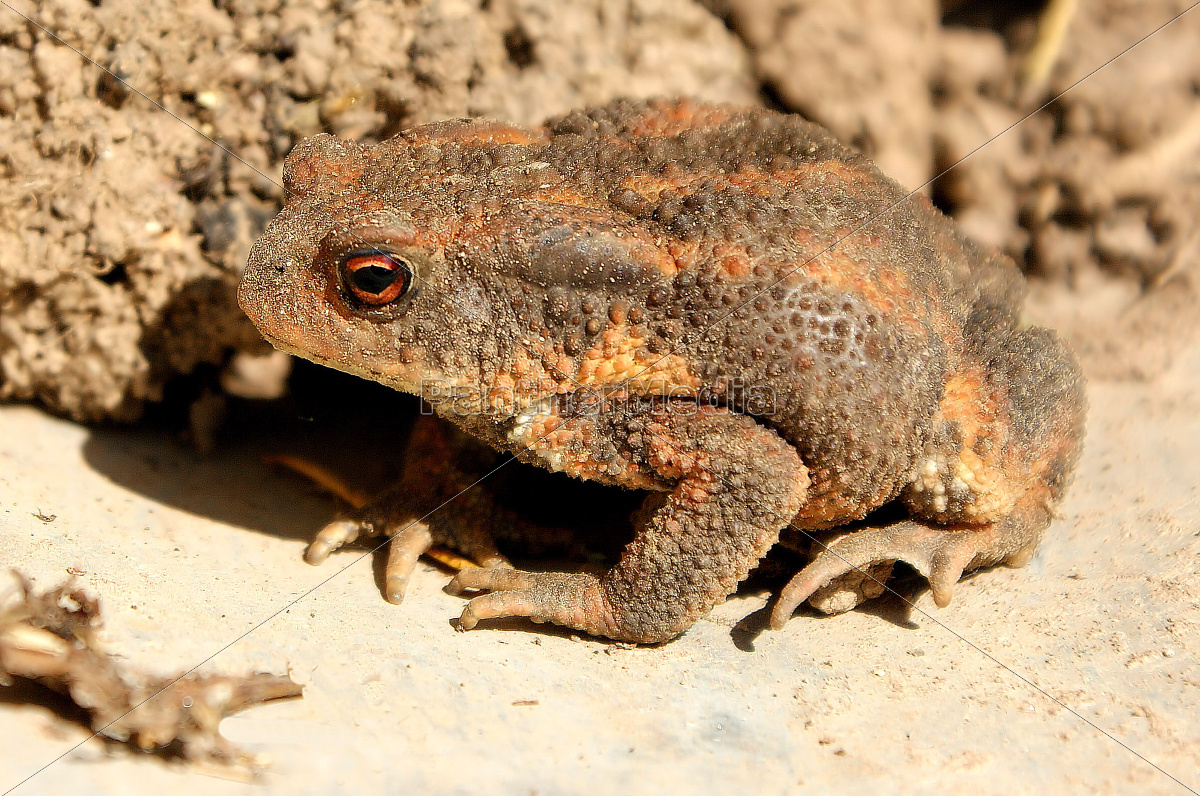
[[282, 345], [353, 369]]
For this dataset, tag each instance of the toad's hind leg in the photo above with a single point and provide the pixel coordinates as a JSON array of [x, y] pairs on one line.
[[1004, 444], [733, 484]]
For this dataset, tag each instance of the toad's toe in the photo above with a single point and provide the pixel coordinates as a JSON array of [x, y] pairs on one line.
[[404, 549], [333, 536], [568, 599], [855, 567]]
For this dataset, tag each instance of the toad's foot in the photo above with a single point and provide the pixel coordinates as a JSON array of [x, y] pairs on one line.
[[432, 504], [405, 546], [854, 567], [572, 600]]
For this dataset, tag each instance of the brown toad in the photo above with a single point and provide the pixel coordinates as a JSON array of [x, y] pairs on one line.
[[721, 305]]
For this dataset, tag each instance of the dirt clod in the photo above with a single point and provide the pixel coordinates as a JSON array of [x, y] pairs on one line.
[[124, 224]]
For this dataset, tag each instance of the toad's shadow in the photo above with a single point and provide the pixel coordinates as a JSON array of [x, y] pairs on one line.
[[357, 430], [235, 484], [353, 428]]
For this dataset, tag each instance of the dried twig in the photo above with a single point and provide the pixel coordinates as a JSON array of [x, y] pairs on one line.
[[50, 638]]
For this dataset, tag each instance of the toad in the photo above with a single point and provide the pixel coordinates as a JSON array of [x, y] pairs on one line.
[[722, 306]]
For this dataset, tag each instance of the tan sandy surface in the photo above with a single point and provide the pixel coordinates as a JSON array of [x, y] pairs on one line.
[[1012, 689]]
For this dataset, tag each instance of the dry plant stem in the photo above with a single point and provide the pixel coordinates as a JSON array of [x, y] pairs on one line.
[[1053, 24], [323, 477]]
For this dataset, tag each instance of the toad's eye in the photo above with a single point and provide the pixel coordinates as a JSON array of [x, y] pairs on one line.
[[374, 277]]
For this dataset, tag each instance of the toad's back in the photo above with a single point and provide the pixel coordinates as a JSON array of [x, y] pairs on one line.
[[803, 274]]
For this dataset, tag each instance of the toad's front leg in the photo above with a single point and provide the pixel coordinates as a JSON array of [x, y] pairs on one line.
[[444, 497], [732, 485]]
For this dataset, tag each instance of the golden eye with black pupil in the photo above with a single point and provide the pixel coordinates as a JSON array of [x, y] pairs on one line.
[[374, 277]]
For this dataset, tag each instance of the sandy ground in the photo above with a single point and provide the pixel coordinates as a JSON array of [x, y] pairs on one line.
[[1012, 689]]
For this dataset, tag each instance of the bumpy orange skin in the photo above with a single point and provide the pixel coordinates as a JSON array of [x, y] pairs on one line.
[[640, 258]]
